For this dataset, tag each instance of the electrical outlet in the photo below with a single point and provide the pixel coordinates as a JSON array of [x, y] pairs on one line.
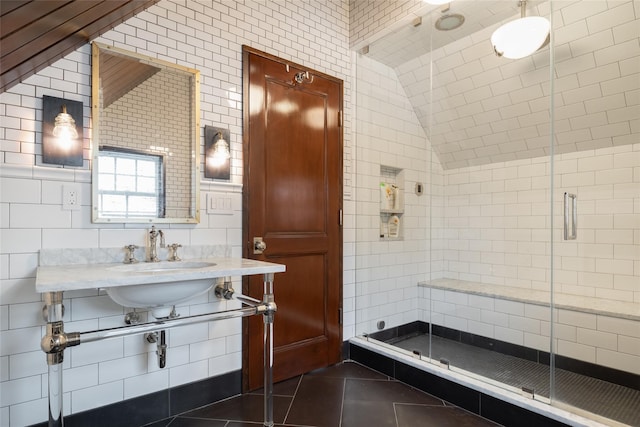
[[71, 197]]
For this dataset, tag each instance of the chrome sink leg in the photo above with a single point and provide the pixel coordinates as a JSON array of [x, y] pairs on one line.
[[53, 344], [54, 312], [56, 341], [267, 346]]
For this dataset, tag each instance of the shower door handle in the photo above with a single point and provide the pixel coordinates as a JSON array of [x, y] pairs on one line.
[[570, 216]]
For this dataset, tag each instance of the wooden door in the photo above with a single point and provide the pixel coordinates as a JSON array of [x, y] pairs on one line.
[[292, 199]]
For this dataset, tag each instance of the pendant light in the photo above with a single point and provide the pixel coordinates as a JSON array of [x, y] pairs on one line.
[[65, 129], [220, 151], [521, 37]]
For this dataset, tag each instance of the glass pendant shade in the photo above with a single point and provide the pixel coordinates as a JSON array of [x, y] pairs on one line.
[[220, 152], [65, 129], [521, 37]]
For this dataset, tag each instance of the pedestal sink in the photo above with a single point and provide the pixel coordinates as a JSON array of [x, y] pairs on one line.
[[160, 297], [155, 286]]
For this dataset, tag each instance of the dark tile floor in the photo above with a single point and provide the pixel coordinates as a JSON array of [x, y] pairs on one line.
[[345, 395]]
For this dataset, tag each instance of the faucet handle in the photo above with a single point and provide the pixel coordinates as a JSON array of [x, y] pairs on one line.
[[174, 252], [131, 256]]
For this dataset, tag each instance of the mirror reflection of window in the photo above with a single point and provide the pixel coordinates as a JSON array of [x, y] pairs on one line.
[[131, 183], [153, 107]]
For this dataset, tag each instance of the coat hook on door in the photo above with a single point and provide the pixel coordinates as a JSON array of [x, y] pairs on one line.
[[302, 76]]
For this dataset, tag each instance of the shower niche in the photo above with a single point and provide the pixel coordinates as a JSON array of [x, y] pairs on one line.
[[391, 202]]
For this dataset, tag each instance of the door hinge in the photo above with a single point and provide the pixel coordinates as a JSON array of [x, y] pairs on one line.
[[340, 317], [340, 118], [340, 218]]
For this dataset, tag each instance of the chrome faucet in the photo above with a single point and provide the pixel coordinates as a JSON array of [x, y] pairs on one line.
[[153, 249]]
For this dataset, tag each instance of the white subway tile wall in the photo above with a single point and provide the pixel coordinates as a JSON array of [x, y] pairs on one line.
[[484, 223], [499, 234], [387, 134], [369, 17], [208, 36], [490, 223], [490, 110], [596, 338], [484, 246]]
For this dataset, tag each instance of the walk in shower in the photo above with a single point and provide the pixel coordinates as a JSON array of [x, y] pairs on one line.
[[516, 187]]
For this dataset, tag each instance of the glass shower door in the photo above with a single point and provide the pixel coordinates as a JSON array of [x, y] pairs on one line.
[[596, 215], [478, 239]]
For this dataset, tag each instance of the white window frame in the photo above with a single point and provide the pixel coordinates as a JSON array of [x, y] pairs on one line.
[[105, 177]]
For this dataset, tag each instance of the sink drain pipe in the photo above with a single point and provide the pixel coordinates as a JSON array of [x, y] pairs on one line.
[[161, 346]]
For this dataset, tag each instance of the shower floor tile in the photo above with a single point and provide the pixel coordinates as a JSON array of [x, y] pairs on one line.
[[599, 397], [344, 395]]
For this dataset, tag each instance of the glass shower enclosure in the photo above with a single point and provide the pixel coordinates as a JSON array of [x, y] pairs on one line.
[[514, 185]]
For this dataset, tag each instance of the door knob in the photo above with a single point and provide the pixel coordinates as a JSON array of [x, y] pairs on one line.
[[259, 246]]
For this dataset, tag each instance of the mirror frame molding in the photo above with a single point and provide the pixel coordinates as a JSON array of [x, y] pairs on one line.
[[95, 135]]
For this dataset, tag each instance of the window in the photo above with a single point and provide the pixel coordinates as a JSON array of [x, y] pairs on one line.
[[131, 183]]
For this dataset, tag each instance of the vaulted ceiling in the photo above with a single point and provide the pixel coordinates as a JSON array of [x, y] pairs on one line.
[[477, 108], [34, 34]]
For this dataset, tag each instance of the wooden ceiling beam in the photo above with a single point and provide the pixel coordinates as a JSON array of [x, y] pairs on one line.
[[19, 17], [37, 33]]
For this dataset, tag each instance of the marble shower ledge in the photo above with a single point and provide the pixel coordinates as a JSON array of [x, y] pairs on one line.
[[619, 309], [55, 275]]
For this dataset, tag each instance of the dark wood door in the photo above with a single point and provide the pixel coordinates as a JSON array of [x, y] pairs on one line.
[[293, 199]]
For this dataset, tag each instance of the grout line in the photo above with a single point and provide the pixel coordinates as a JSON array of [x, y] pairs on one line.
[[395, 413], [344, 391], [427, 405], [286, 415]]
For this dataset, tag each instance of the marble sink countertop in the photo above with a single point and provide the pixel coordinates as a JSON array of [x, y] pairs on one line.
[[71, 277]]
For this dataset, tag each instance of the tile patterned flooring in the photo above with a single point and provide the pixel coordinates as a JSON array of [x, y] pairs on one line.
[[605, 399], [344, 395]]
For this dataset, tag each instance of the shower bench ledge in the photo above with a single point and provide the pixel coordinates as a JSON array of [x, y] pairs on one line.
[[619, 309]]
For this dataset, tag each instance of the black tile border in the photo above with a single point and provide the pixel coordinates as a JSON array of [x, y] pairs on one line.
[[373, 360], [450, 391], [464, 397], [600, 372], [159, 405], [511, 415], [593, 370], [186, 397], [401, 332], [345, 350]]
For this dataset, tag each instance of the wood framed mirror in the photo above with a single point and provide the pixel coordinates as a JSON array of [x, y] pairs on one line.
[[146, 139]]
